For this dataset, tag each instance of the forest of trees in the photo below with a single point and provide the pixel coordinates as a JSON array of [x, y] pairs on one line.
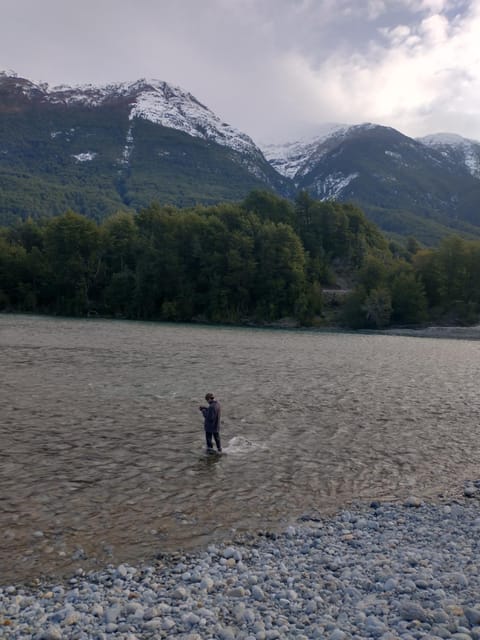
[[258, 261]]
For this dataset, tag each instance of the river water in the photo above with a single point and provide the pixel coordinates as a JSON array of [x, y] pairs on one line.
[[102, 447]]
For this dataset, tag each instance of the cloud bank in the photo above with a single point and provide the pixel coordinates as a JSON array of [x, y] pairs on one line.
[[276, 69]]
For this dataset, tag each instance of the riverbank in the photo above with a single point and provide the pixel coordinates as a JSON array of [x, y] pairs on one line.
[[291, 324], [382, 570], [451, 332]]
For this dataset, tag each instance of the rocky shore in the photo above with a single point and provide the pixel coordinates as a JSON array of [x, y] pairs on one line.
[[384, 570], [450, 332]]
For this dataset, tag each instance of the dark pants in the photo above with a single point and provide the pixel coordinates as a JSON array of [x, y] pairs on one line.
[[208, 436]]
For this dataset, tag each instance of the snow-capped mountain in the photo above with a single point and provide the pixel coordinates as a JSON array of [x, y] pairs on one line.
[[163, 104], [152, 100], [98, 149], [388, 174], [458, 149], [295, 159], [137, 142], [291, 158]]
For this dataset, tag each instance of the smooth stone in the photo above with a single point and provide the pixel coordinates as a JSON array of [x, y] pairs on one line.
[[232, 552], [411, 611], [390, 584], [413, 501], [257, 593], [191, 619], [473, 616], [52, 633], [227, 633], [207, 583], [112, 614], [168, 623], [154, 624]]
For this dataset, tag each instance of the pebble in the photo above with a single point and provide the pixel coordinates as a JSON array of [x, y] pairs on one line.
[[384, 571], [473, 615]]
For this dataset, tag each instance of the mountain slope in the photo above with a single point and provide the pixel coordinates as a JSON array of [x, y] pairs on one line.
[[98, 149], [291, 158], [404, 185], [456, 149]]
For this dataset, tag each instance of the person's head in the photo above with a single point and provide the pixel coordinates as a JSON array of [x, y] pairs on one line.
[[209, 397]]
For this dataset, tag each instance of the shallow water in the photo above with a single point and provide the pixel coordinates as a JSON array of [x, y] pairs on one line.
[[102, 443]]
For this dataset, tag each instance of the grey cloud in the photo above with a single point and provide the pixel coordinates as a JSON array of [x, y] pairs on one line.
[[266, 66]]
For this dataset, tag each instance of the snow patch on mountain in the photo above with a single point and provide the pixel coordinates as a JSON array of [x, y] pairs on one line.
[[439, 139], [295, 159], [393, 154], [171, 107], [128, 148], [448, 143], [85, 157], [65, 134], [472, 161], [290, 158], [153, 100], [160, 103], [331, 186]]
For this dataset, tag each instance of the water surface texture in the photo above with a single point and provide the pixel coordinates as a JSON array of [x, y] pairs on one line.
[[101, 456]]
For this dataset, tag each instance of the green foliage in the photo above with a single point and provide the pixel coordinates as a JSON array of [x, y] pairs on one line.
[[331, 230], [269, 206], [373, 273], [451, 278], [71, 251], [378, 307], [353, 312], [409, 302], [13, 274], [96, 161], [368, 309], [428, 229], [235, 263]]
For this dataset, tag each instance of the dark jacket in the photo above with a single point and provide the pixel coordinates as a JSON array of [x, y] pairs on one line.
[[212, 417]]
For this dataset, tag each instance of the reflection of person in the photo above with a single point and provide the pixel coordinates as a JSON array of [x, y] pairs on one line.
[[211, 415]]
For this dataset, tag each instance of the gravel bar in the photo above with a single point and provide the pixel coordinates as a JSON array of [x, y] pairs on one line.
[[384, 570]]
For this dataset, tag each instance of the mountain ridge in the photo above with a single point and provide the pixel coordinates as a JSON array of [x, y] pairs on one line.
[[154, 100], [100, 148], [394, 178], [133, 143]]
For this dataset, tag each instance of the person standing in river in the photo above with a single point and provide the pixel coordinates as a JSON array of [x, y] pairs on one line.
[[211, 416]]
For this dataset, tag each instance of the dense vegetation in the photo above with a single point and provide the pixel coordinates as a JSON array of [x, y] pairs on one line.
[[258, 261], [42, 173]]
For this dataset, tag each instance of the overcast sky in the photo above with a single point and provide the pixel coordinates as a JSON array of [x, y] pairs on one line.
[[275, 69]]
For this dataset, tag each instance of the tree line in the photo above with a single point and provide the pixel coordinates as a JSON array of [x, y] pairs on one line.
[[259, 260]]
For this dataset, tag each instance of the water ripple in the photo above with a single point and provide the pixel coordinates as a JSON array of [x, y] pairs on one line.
[[102, 441]]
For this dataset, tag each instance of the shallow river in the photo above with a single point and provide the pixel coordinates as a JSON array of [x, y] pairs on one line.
[[101, 456]]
